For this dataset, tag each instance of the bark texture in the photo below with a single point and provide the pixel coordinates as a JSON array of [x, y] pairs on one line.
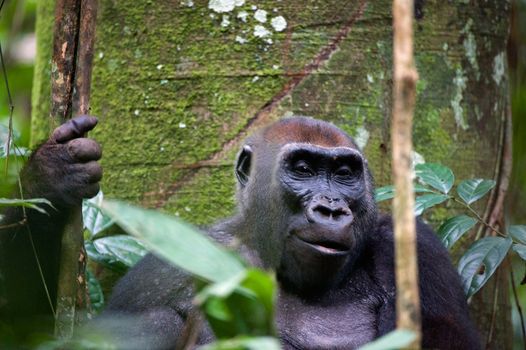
[[178, 85]]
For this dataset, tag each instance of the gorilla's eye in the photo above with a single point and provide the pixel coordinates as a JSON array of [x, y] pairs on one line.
[[302, 168], [343, 171]]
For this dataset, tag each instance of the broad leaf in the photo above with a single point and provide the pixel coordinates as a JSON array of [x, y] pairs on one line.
[[94, 219], [244, 343], [472, 190], [518, 233], [27, 203], [95, 292], [176, 241], [521, 250], [242, 305], [427, 201], [436, 176], [116, 250], [388, 192], [453, 228], [384, 193], [397, 339], [480, 262]]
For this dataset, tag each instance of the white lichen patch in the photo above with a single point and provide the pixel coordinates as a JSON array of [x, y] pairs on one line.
[[498, 68], [417, 158], [226, 21], [222, 6], [278, 23], [460, 85], [260, 31], [242, 15], [240, 39], [362, 137], [260, 16], [470, 46]]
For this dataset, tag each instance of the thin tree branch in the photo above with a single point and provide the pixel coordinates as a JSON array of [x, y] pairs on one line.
[[404, 95]]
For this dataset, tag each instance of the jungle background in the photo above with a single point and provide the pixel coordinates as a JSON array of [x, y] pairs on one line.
[[177, 85]]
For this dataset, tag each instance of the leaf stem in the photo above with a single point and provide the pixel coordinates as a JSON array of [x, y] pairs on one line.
[[479, 218]]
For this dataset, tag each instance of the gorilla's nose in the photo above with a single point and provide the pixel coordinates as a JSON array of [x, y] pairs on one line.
[[325, 210]]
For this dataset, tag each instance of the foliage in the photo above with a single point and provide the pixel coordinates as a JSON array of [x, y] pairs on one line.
[[483, 257], [237, 301]]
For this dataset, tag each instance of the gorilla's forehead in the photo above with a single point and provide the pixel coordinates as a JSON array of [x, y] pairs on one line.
[[308, 131]]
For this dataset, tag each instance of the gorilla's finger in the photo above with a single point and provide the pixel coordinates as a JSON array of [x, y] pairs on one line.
[[74, 128], [84, 149], [90, 190], [92, 171]]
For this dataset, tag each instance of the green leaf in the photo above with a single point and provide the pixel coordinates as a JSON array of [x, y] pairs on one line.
[[384, 193], [521, 250], [94, 219], [28, 203], [121, 248], [436, 176], [388, 192], [427, 201], [95, 292], [397, 339], [472, 190], [242, 305], [480, 261], [176, 241], [244, 343], [453, 228], [518, 233]]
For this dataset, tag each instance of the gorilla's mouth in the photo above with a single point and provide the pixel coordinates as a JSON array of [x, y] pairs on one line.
[[326, 247]]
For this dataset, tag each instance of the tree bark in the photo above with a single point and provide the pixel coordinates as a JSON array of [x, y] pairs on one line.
[[177, 87]]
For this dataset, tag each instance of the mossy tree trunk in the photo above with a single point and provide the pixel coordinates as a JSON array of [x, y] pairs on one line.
[[177, 86]]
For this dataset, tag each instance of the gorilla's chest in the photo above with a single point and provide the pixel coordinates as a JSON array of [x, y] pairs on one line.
[[345, 324]]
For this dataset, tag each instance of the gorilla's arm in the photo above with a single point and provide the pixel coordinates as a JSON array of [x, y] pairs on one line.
[[63, 170], [445, 320]]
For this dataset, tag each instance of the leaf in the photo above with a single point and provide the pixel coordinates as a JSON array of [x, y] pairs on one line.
[[94, 219], [453, 229], [480, 262], [518, 233], [427, 201], [243, 305], [384, 193], [397, 339], [472, 190], [436, 176], [176, 241], [244, 343], [28, 203], [388, 192], [116, 250], [521, 250], [95, 292]]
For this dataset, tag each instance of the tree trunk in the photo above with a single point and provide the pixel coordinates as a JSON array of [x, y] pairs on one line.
[[177, 86]]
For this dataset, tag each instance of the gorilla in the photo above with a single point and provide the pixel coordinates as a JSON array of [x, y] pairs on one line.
[[306, 210]]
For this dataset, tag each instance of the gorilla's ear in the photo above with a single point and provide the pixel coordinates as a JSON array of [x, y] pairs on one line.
[[244, 161]]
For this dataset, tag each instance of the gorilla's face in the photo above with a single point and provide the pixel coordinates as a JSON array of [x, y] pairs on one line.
[[307, 195]]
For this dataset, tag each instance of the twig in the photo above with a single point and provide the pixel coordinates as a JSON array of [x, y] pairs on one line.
[[404, 95]]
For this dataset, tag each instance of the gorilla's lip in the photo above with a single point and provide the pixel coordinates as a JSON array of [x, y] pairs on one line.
[[325, 247]]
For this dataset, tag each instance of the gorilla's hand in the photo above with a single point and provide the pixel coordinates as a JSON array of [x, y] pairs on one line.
[[64, 169]]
